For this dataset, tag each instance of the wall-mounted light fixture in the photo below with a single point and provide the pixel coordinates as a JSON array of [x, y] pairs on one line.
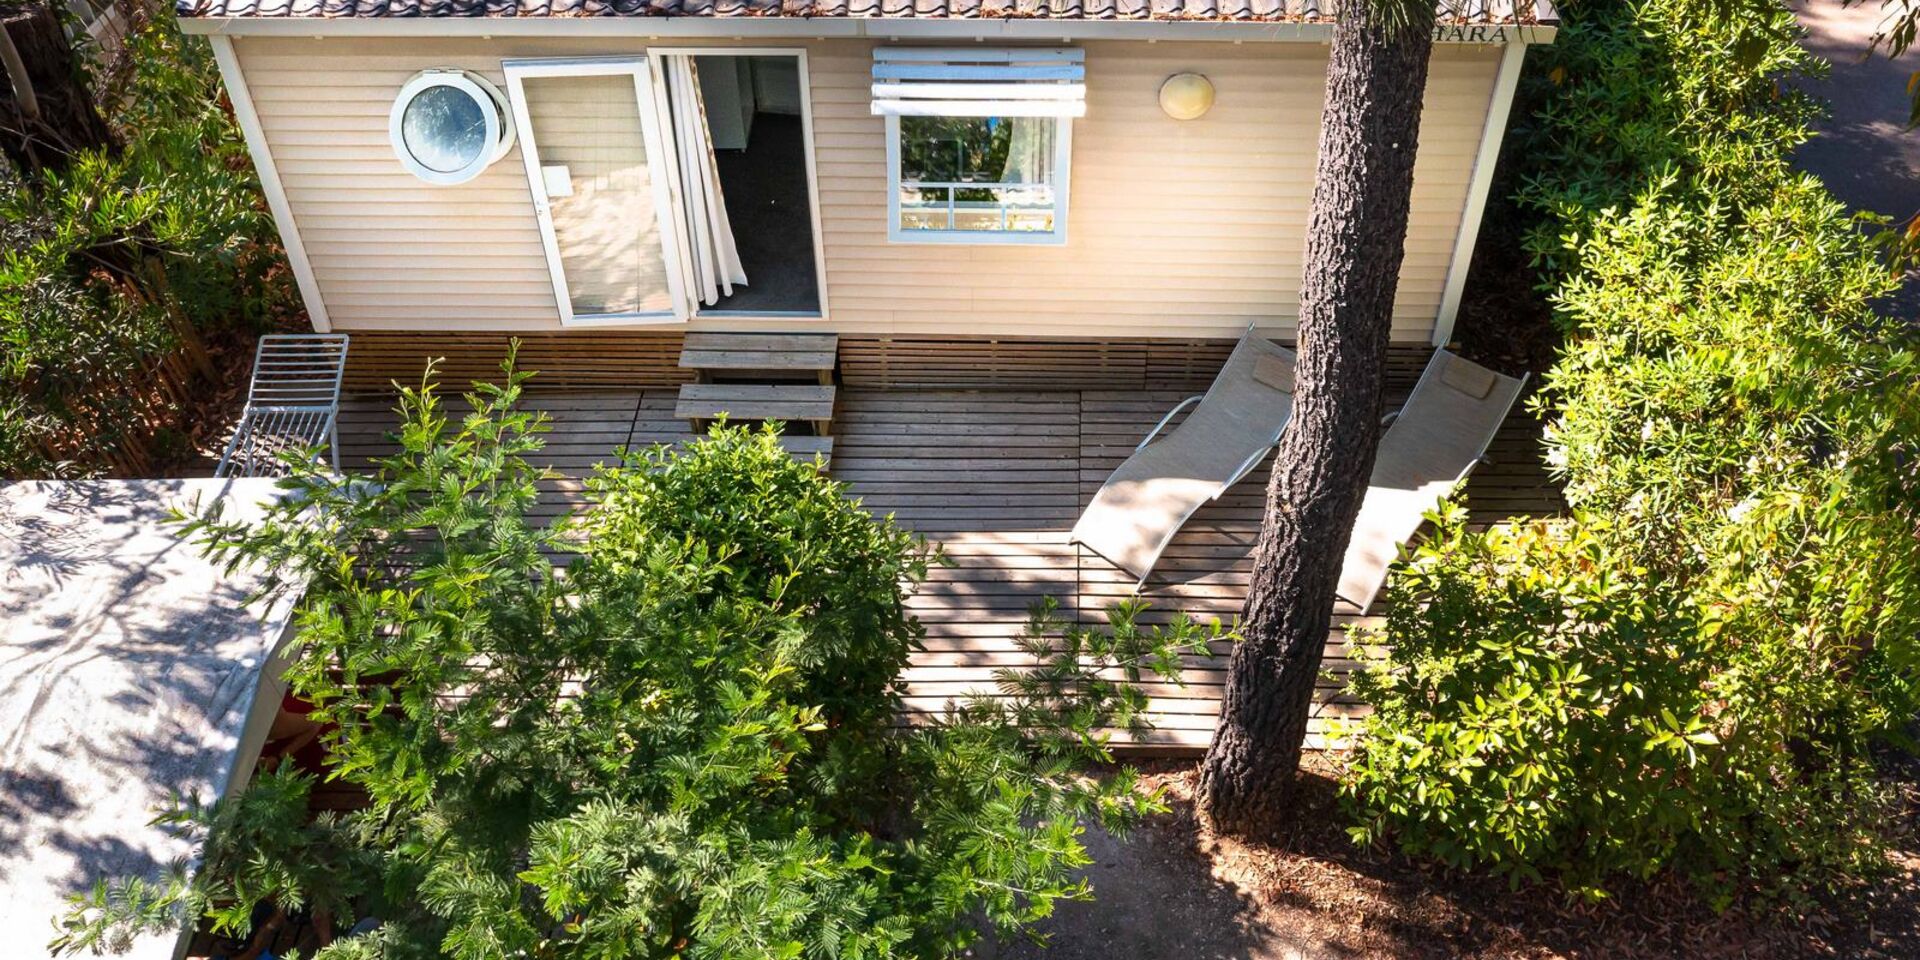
[[1186, 96]]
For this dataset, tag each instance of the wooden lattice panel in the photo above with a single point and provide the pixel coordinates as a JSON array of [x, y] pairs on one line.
[[572, 361]]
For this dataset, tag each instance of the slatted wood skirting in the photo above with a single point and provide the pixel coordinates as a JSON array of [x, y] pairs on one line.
[[597, 360], [997, 478], [574, 361], [1042, 364]]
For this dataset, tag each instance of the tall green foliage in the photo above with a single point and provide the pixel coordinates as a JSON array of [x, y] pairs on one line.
[[683, 744], [265, 846], [1634, 90], [107, 265], [1691, 672]]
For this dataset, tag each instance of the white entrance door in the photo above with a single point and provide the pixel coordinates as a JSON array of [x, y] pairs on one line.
[[601, 173]]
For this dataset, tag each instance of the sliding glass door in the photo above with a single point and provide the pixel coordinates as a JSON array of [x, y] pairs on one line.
[[601, 173]]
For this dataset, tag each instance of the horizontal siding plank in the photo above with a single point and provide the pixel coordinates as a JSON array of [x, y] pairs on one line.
[[1175, 227]]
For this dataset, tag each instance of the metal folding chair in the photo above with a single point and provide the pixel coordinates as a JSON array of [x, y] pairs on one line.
[[293, 403]]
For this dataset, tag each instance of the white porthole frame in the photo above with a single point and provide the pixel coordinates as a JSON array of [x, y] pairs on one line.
[[493, 107]]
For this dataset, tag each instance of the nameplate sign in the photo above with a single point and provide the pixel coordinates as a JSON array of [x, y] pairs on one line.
[[1474, 33]]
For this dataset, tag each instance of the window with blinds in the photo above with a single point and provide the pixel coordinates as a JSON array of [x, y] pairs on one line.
[[978, 141]]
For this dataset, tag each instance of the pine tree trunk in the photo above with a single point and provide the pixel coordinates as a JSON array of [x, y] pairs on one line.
[[46, 111], [1356, 235]]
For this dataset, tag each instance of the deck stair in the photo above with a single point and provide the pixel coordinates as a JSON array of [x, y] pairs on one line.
[[753, 376]]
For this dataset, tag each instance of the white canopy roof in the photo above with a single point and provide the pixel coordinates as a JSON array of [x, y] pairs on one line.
[[129, 671]]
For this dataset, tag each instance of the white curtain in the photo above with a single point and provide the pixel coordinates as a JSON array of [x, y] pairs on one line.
[[1029, 150], [713, 264]]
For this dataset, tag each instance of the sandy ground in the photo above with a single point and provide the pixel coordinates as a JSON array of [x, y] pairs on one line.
[[1173, 891], [1158, 897]]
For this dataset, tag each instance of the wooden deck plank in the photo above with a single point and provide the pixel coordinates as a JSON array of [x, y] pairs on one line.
[[763, 342], [733, 359], [997, 479], [754, 401]]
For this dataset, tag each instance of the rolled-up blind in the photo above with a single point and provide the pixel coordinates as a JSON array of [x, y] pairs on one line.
[[962, 82]]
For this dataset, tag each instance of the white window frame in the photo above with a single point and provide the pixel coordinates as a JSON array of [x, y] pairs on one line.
[[1062, 157], [662, 172], [948, 82], [493, 106]]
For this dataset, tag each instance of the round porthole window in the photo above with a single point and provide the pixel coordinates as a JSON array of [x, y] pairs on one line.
[[448, 125]]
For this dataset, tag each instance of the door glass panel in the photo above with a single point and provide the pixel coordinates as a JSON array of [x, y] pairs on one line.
[[598, 178]]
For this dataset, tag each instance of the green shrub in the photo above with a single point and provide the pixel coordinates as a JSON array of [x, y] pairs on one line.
[[1635, 90], [805, 542], [264, 844], [1691, 672], [686, 743], [1553, 709], [125, 257]]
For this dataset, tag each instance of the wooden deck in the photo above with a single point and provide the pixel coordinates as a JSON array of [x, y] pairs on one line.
[[998, 478]]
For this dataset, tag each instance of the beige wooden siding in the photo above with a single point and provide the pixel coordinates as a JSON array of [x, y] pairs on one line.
[[1175, 229]]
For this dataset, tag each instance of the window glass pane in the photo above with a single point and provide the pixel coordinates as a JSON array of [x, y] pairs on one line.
[[977, 173], [444, 128], [593, 156]]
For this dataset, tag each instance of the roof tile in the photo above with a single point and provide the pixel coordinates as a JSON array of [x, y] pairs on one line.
[[1447, 11]]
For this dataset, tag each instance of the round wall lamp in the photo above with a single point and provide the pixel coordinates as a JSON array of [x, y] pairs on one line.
[[448, 125], [1186, 96]]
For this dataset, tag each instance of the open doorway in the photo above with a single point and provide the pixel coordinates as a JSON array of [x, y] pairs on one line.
[[755, 111]]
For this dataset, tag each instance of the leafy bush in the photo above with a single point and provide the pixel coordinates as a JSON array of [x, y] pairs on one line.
[[1691, 672], [125, 257], [1553, 709], [686, 743], [264, 844], [1632, 91]]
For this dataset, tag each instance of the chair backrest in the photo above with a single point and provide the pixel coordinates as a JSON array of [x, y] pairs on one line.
[[1258, 359], [298, 370], [1442, 431], [1254, 389], [1242, 414]]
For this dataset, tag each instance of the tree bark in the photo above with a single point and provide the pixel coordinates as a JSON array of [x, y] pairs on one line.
[[46, 111], [1356, 237]]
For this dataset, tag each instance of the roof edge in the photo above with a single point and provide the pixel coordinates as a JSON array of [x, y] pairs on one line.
[[826, 28]]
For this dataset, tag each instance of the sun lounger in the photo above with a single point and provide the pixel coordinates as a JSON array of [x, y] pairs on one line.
[[1231, 429], [1432, 444]]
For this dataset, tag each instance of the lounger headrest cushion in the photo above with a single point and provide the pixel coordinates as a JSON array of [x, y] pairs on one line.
[[1274, 372], [1468, 377]]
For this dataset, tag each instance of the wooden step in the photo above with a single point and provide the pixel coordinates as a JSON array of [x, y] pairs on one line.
[[807, 448], [761, 352], [756, 401], [804, 448]]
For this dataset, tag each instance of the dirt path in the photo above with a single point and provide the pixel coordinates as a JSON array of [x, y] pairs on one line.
[[1172, 892], [1157, 898]]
